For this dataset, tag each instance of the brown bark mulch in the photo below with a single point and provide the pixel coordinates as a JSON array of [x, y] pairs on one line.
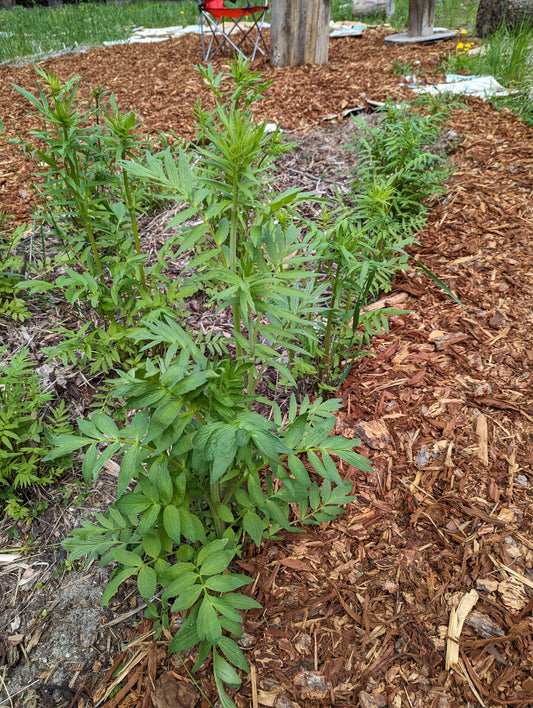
[[357, 612]]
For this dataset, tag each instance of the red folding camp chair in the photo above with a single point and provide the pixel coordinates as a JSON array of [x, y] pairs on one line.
[[221, 29]]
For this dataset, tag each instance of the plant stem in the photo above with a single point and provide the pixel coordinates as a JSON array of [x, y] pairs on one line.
[[131, 209]]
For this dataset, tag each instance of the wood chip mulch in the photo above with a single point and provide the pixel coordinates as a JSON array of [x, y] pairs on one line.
[[421, 594]]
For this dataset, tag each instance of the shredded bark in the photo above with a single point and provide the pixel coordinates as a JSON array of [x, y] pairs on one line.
[[357, 612]]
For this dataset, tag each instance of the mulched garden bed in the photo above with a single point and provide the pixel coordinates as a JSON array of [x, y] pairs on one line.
[[357, 612]]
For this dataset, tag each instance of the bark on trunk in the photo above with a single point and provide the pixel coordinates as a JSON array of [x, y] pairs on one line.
[[491, 14], [299, 32], [421, 18], [6, 4]]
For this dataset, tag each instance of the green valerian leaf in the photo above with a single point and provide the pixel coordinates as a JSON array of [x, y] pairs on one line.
[[253, 525], [130, 468], [115, 582], [149, 518], [226, 583], [224, 513], [187, 598], [233, 653], [224, 605], [147, 581], [208, 625], [180, 584], [172, 522], [125, 557], [211, 549], [225, 672], [187, 636], [215, 564], [151, 543]]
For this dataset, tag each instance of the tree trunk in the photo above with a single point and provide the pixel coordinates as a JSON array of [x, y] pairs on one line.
[[492, 14], [299, 32], [421, 18], [6, 4]]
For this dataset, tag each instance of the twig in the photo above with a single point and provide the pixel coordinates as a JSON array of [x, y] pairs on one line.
[[308, 174], [253, 677], [21, 690]]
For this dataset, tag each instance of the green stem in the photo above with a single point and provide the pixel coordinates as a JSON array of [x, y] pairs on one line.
[[329, 326], [233, 259], [214, 499], [131, 209]]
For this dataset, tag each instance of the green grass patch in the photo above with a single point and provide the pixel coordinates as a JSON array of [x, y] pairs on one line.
[[508, 56], [452, 14], [40, 30]]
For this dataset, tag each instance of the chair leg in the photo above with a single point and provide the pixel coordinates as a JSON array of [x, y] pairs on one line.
[[219, 43]]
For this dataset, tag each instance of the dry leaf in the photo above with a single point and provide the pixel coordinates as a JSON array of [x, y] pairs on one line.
[[169, 693]]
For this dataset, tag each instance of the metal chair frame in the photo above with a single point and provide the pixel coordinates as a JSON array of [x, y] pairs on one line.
[[216, 18]]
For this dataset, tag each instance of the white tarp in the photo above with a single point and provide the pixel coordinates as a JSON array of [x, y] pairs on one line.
[[480, 86]]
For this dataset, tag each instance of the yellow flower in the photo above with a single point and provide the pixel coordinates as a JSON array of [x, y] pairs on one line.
[[182, 12], [463, 31], [460, 45]]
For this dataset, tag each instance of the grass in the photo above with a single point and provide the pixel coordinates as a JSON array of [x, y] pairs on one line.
[[508, 56], [40, 30], [452, 14]]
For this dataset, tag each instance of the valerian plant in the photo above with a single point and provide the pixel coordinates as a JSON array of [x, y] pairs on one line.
[[92, 207], [201, 473], [206, 464]]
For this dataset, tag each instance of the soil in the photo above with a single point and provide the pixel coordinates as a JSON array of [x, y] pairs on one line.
[[360, 611]]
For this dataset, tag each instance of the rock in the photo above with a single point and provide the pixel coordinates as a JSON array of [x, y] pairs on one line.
[[313, 684], [422, 457]]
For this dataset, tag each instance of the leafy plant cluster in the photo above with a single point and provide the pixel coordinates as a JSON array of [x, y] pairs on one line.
[[207, 461], [93, 207], [26, 419]]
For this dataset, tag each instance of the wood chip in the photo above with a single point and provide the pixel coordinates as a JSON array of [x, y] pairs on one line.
[[455, 626]]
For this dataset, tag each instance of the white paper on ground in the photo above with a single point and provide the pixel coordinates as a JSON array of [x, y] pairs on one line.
[[481, 86]]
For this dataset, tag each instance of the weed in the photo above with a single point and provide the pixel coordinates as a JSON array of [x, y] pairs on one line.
[[26, 418]]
